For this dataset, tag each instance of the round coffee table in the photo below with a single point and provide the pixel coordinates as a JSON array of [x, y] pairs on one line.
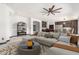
[[36, 49]]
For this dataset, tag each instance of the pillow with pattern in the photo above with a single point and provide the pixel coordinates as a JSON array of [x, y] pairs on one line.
[[65, 39]]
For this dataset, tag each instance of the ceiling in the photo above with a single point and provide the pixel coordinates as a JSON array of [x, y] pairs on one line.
[[34, 10]]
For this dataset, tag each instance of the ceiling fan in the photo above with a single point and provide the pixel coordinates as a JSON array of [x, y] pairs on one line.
[[51, 10]]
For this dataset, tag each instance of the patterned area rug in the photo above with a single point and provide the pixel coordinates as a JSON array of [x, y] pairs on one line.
[[10, 48]]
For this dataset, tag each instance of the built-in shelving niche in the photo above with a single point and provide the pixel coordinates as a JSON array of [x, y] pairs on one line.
[[21, 28]]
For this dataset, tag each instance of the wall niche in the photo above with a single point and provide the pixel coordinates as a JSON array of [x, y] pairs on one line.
[[21, 28]]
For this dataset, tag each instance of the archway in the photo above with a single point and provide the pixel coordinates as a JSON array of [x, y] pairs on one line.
[[21, 28]]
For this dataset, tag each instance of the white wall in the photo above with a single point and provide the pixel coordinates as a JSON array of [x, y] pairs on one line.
[[16, 19], [27, 20], [5, 21], [2, 21], [37, 26], [9, 16], [32, 20]]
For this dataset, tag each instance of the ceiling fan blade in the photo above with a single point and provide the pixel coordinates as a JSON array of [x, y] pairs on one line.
[[48, 14], [57, 9], [53, 6], [52, 13], [51, 10], [45, 9]]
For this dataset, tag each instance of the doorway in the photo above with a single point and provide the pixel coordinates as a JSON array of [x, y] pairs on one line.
[[36, 26]]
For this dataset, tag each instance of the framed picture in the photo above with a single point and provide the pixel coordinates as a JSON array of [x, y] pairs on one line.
[[44, 24]]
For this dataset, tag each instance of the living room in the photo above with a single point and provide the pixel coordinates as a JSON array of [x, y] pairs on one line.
[[49, 27]]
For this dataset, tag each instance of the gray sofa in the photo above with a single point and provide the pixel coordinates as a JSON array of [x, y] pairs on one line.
[[47, 43]]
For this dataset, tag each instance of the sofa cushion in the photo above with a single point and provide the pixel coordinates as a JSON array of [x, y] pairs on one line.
[[42, 34], [46, 41], [48, 35], [55, 34]]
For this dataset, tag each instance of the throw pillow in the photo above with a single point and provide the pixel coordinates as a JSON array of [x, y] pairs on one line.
[[65, 39]]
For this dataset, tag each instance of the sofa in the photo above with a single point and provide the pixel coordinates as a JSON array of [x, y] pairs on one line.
[[47, 43]]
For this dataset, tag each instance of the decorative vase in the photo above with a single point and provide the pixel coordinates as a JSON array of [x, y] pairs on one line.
[[29, 44]]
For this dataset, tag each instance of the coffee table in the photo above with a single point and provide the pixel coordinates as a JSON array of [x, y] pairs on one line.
[[36, 49]]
